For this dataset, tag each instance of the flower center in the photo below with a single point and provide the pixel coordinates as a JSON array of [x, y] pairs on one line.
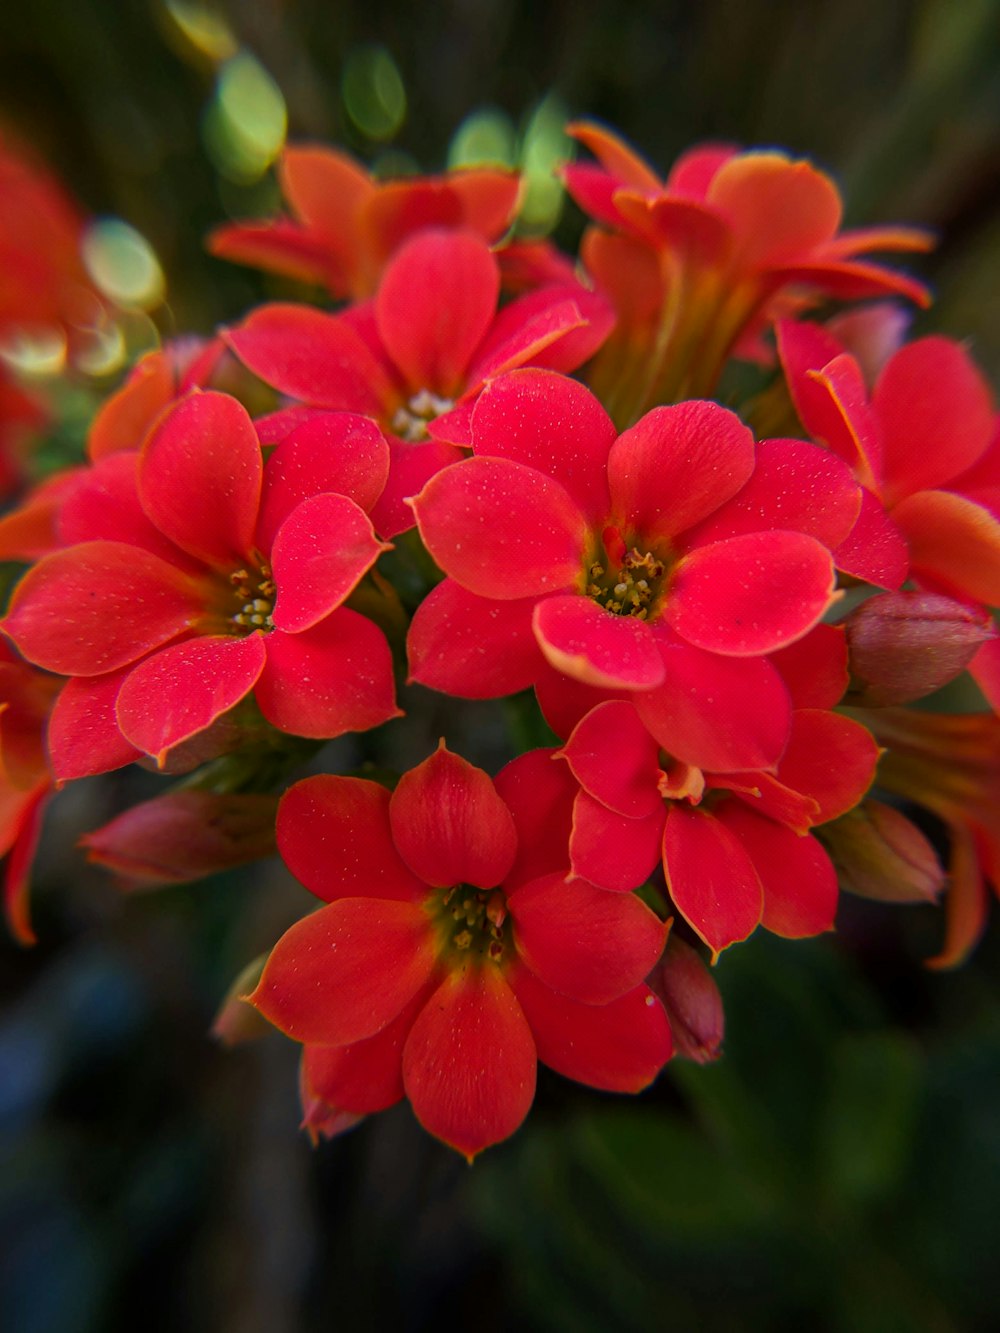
[[471, 922], [253, 592], [626, 582], [410, 420]]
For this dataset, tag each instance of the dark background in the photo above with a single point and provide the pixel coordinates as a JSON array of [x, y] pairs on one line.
[[839, 1169]]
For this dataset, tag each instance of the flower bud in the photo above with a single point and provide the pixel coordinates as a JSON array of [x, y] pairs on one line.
[[878, 853], [237, 1021], [905, 645], [185, 835], [692, 1001]]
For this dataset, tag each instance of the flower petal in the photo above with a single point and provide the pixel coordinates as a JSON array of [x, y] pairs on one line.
[[345, 972], [539, 795], [615, 759], [502, 529], [815, 667], [720, 714], [830, 758], [936, 412], [472, 647], [610, 850], [333, 678], [799, 881], [334, 835], [312, 356], [588, 943], [750, 594], [411, 466], [97, 607], [550, 423], [450, 825], [593, 645], [181, 690], [337, 451], [200, 476], [434, 304], [322, 550], [954, 543], [779, 209], [874, 550], [469, 1062], [677, 465], [711, 877], [83, 735], [104, 506], [796, 486], [620, 1046]]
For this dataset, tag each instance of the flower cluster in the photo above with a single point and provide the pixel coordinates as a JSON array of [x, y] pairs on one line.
[[488, 472]]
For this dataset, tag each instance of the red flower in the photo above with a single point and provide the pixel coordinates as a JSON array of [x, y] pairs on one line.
[[735, 847], [417, 355], [700, 261], [666, 562], [191, 574], [346, 226], [437, 973], [26, 698]]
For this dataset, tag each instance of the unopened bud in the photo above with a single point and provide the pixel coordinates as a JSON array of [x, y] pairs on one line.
[[691, 998], [185, 835], [236, 1021], [879, 853], [905, 645]]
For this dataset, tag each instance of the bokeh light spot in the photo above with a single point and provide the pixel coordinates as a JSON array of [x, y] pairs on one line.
[[247, 120], [123, 264], [373, 92], [487, 137]]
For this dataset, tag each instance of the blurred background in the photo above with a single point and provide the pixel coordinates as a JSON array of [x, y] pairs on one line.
[[839, 1168]]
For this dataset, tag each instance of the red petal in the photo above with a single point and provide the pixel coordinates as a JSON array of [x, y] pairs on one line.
[[449, 824], [470, 646], [322, 550], [104, 506], [367, 1076], [333, 678], [124, 418], [281, 247], [411, 466], [23, 825], [720, 714], [593, 645], [557, 327], [936, 413], [695, 169], [711, 878], [181, 690], [539, 794], [967, 902], [97, 607], [616, 760], [676, 466], [588, 943], [334, 835], [954, 543], [469, 1063], [620, 1046], [436, 300], [339, 452], [985, 671], [614, 154], [852, 430], [750, 594], [327, 189], [564, 701], [83, 735], [778, 209], [875, 550], [795, 485], [345, 972], [550, 423], [502, 529], [815, 667], [611, 850], [200, 477], [314, 357], [830, 758], [800, 883]]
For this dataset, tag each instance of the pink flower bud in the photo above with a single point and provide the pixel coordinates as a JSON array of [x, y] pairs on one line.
[[237, 1021], [904, 645], [184, 835], [880, 854], [692, 1001]]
